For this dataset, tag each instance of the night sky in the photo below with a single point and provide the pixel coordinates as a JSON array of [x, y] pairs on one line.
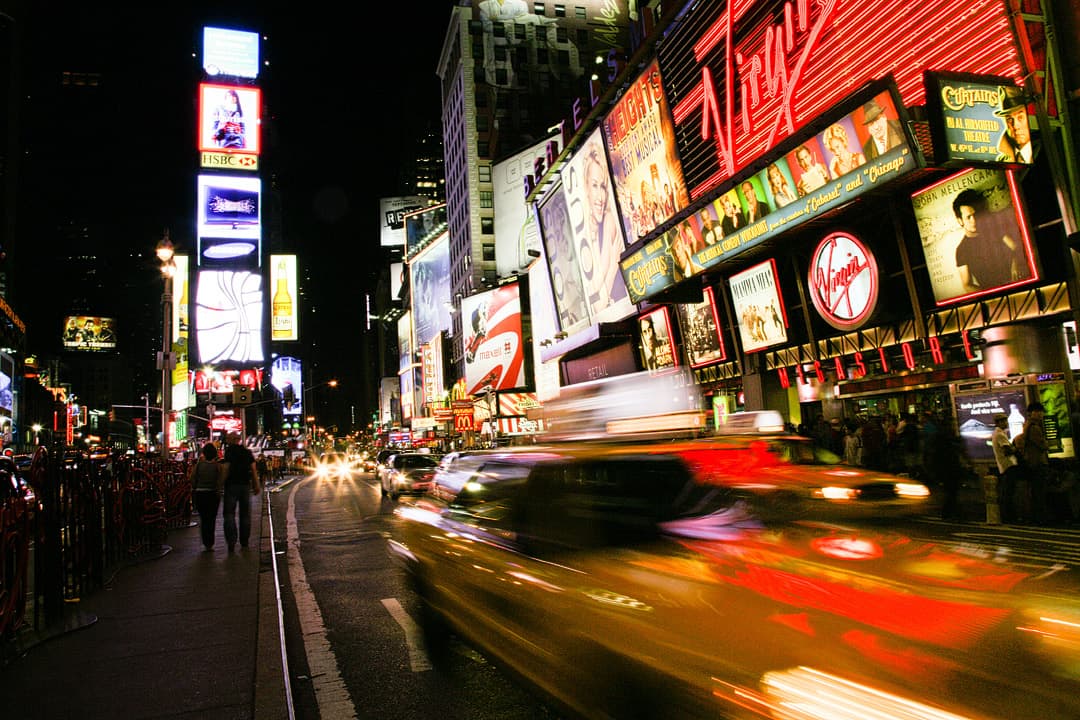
[[347, 91]]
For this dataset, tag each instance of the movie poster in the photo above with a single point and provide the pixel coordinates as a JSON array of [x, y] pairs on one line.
[[645, 165], [701, 331], [759, 309], [974, 236], [657, 344]]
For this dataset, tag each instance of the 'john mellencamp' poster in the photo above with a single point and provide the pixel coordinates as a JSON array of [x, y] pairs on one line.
[[974, 235], [759, 308]]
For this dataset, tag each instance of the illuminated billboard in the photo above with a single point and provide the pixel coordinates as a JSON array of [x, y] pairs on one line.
[[597, 232], [182, 395], [404, 338], [494, 353], [429, 276], [229, 118], [392, 211], [284, 314], [544, 326], [745, 77], [423, 227], [286, 375], [89, 332], [226, 253], [644, 162], [233, 53], [702, 339], [572, 311], [228, 207], [657, 343], [819, 173], [516, 233], [974, 235], [229, 316], [759, 308], [397, 279], [978, 119]]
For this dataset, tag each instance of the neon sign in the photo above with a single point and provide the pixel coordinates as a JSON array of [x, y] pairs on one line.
[[843, 281], [859, 365], [750, 74]]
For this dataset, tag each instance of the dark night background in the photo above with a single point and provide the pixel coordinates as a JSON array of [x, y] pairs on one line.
[[108, 165]]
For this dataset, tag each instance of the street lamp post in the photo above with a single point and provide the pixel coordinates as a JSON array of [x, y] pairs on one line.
[[309, 410], [165, 252]]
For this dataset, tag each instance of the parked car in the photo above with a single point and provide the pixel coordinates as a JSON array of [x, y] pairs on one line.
[[408, 472], [631, 580]]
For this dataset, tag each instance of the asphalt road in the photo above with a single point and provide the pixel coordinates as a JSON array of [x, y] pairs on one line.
[[353, 647], [354, 650]]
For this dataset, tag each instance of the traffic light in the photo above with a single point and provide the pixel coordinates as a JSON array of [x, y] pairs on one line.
[[241, 395]]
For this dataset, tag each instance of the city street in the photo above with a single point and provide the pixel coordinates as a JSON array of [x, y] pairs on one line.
[[359, 630], [353, 647]]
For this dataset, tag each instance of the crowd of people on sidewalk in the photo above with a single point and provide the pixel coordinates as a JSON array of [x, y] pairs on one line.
[[928, 447]]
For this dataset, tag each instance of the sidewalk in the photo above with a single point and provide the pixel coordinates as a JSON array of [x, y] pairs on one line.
[[187, 634]]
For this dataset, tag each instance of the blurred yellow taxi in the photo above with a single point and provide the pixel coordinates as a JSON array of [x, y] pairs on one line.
[[632, 580]]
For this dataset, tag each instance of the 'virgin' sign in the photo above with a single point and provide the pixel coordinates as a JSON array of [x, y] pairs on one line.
[[843, 281]]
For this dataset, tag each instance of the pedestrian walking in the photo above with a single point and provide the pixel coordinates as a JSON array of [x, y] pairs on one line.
[[943, 465], [206, 486], [1008, 469], [264, 469], [241, 480]]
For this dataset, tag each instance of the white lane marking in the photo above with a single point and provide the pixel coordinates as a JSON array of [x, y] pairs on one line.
[[414, 640], [330, 692]]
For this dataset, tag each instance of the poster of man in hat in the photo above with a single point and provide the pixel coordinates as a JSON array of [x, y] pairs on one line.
[[1015, 142], [880, 121]]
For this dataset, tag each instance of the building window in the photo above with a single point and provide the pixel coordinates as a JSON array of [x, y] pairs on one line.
[[519, 30], [538, 8], [484, 172], [489, 252], [487, 226], [564, 58], [482, 149], [561, 35], [579, 12], [542, 56], [583, 37], [487, 199], [481, 123], [560, 10]]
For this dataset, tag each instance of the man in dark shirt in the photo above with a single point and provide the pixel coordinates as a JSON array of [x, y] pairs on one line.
[[241, 480]]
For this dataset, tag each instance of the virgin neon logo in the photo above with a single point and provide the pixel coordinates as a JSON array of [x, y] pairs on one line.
[[843, 281]]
